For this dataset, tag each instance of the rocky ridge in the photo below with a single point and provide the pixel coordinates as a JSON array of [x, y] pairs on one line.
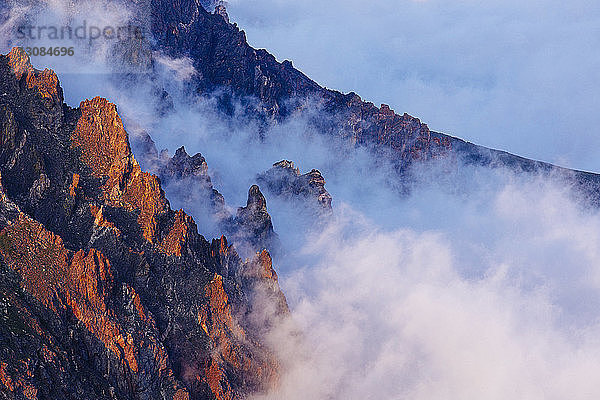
[[105, 291], [308, 190], [250, 228], [187, 177], [270, 92]]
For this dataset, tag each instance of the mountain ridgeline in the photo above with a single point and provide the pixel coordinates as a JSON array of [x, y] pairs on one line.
[[271, 91], [106, 292]]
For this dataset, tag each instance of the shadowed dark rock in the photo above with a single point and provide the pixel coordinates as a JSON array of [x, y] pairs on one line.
[[252, 224], [308, 190], [105, 291]]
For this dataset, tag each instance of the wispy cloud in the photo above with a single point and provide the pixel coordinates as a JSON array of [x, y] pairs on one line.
[[501, 304], [181, 68]]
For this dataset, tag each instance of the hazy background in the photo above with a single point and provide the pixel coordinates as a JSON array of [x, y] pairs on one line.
[[521, 76]]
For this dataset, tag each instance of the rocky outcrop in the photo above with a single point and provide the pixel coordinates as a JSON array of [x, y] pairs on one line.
[[104, 146], [187, 179], [306, 190], [44, 82], [268, 305], [105, 291], [193, 183], [252, 227], [222, 11]]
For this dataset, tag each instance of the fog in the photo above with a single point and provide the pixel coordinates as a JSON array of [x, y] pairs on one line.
[[499, 301], [478, 283]]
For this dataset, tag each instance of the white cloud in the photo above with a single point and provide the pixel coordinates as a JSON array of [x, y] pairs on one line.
[[181, 68], [395, 314]]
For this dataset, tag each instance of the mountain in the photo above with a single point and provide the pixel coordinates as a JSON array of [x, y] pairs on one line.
[[271, 91], [105, 291]]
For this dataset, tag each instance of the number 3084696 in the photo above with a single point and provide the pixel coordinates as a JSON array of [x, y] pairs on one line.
[[50, 51]]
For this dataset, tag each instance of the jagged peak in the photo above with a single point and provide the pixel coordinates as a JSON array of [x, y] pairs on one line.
[[386, 110], [284, 179], [265, 263], [105, 149], [315, 173], [221, 9], [101, 135], [19, 62], [256, 200], [253, 229], [180, 152], [289, 165], [182, 165], [46, 81]]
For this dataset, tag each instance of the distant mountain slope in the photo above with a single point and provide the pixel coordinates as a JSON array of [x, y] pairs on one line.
[[224, 60], [227, 62]]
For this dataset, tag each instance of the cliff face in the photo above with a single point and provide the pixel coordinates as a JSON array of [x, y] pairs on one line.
[[252, 226], [105, 292]]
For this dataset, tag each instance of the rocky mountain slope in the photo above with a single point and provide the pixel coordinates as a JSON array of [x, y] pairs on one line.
[[285, 181], [271, 92], [105, 291]]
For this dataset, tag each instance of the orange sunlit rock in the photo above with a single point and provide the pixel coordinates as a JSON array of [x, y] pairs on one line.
[[45, 82]]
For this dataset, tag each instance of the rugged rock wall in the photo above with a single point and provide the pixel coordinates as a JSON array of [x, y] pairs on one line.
[[105, 292], [284, 180]]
